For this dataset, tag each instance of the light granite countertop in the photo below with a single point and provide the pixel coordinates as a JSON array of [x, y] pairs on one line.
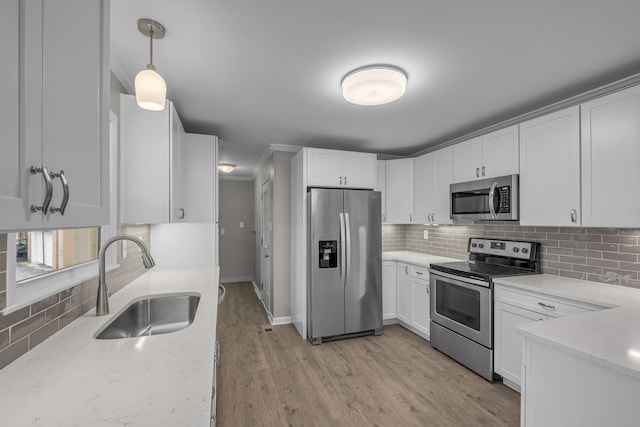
[[72, 379], [609, 337], [416, 258]]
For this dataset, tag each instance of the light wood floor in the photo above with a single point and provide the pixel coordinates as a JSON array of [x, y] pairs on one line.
[[274, 378]]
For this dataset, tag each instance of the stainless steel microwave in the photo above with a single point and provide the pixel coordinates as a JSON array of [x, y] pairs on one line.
[[491, 198]]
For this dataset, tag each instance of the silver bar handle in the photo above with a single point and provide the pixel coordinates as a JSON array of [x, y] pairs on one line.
[[549, 306], [65, 192], [574, 216], [410, 217], [345, 180], [348, 246], [483, 171], [340, 180], [419, 273], [477, 172], [384, 217], [48, 189], [492, 192], [428, 289], [406, 269], [343, 260], [180, 213]]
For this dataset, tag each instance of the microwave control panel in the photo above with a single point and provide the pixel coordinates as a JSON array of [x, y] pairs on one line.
[[505, 199]]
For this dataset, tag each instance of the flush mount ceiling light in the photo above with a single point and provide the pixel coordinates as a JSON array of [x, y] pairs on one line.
[[226, 167], [151, 90], [374, 85]]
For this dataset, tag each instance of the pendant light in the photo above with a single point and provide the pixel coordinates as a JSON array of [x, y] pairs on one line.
[[151, 90], [374, 85]]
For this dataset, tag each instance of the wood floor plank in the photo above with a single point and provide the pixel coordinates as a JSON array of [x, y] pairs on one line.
[[269, 376]]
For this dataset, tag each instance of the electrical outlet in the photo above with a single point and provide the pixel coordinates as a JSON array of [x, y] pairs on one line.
[[241, 224], [222, 231], [425, 234]]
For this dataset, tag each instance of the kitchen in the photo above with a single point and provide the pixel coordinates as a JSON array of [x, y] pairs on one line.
[[549, 135]]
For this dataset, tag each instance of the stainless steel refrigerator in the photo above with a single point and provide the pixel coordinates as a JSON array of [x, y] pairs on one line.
[[345, 269]]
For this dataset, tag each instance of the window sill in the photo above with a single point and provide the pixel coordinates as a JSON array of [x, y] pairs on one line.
[[38, 288]]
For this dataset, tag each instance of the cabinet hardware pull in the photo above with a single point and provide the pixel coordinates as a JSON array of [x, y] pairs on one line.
[[406, 269], [181, 213], [410, 218], [48, 189], [65, 192], [419, 273], [483, 171], [477, 172], [574, 216], [345, 180], [340, 180], [552, 307], [428, 289], [384, 217]]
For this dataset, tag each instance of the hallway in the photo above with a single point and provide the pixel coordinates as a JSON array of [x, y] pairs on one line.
[[269, 376]]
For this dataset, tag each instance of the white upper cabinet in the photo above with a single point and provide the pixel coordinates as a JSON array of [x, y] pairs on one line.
[[611, 160], [152, 160], [433, 173], [201, 178], [333, 168], [54, 66], [487, 156], [381, 177], [399, 188], [550, 169]]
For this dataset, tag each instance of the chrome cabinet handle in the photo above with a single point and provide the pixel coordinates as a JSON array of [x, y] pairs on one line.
[[384, 217], [65, 192], [549, 306], [483, 171], [345, 180], [428, 289], [340, 180], [406, 269], [48, 189], [181, 213], [419, 273], [477, 172], [574, 216], [410, 218]]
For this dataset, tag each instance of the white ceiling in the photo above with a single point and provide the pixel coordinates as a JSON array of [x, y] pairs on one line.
[[261, 72]]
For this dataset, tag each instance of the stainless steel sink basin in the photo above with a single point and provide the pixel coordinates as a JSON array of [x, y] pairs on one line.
[[152, 315]]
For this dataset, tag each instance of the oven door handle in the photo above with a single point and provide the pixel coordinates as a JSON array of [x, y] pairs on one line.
[[492, 192], [459, 278]]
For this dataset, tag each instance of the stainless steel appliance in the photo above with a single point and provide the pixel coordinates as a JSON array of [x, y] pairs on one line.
[[491, 198], [462, 298], [345, 269]]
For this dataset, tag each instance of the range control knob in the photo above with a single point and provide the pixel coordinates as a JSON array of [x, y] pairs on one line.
[[525, 250], [480, 245], [473, 245], [516, 250]]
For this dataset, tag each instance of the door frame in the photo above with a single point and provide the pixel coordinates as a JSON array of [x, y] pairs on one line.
[[266, 239]]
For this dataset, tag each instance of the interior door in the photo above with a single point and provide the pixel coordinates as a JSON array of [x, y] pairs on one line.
[[267, 228], [363, 286]]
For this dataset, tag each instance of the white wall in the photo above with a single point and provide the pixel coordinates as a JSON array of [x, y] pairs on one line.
[[237, 253]]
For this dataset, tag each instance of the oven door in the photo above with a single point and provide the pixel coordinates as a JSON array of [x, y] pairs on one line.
[[462, 305]]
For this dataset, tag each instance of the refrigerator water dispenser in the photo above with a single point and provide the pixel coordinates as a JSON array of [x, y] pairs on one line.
[[328, 254]]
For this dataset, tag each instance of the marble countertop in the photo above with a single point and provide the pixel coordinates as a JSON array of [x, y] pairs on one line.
[[72, 379], [609, 337], [416, 258]]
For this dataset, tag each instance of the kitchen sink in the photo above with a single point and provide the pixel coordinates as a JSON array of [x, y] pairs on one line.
[[151, 315]]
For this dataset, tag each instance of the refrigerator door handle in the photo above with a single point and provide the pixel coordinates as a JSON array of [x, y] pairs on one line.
[[343, 252], [348, 247]]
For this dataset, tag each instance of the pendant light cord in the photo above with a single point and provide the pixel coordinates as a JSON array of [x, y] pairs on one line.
[[151, 45]]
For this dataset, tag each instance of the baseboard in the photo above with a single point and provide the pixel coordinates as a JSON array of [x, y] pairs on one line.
[[386, 322], [236, 279], [280, 320], [414, 330]]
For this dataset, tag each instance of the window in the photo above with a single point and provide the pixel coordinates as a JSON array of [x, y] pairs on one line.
[[44, 262]]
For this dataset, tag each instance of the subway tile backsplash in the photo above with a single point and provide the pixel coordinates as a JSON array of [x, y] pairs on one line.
[[606, 255], [24, 329]]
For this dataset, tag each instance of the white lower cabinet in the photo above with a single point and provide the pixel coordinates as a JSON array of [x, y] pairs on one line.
[[508, 344], [420, 305], [388, 290], [513, 307], [403, 292]]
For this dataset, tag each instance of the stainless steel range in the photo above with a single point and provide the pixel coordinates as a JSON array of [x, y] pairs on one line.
[[462, 298]]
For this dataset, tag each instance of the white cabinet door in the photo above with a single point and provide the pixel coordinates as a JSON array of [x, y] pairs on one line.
[[201, 178], [403, 295], [611, 160], [359, 169], [550, 169], [500, 153], [178, 169], [13, 198], [388, 290], [400, 191], [508, 343], [55, 66], [420, 316], [442, 179], [381, 177], [467, 159], [423, 194], [324, 168]]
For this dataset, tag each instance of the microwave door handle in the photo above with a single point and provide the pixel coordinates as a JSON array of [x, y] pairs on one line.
[[492, 192]]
